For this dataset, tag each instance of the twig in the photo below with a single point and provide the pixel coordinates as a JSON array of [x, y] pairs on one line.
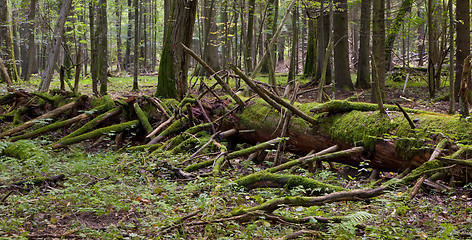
[[441, 145], [217, 78], [412, 125], [213, 130], [204, 146], [4, 198], [160, 127]]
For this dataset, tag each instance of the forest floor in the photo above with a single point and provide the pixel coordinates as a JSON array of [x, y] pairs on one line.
[[111, 195]]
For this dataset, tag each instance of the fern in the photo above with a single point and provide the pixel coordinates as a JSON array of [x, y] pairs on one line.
[[359, 217]]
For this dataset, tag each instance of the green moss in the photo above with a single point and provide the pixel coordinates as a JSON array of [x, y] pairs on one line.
[[427, 168], [190, 143], [88, 126], [289, 182], [200, 165], [143, 118], [98, 132], [26, 150], [339, 106], [361, 128], [367, 127], [102, 104], [141, 148]]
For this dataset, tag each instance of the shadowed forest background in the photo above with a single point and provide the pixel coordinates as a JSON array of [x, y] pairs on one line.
[[279, 119]]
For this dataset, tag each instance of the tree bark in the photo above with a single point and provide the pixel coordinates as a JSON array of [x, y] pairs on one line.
[[365, 128], [6, 42], [129, 38], [378, 50], [54, 45], [30, 47], [172, 79], [462, 41], [102, 47], [341, 47], [211, 43], [363, 66], [119, 52], [248, 60], [394, 29], [323, 30], [137, 29], [309, 69], [294, 48]]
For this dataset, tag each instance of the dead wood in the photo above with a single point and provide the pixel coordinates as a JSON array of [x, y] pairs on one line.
[[142, 118], [276, 203], [160, 127], [342, 106], [460, 162], [212, 72], [435, 154], [52, 114], [272, 98], [270, 180], [96, 133], [94, 122], [160, 107], [256, 89], [24, 184], [412, 125], [4, 72], [315, 158]]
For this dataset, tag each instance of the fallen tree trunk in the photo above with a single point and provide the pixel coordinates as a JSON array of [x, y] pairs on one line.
[[389, 144]]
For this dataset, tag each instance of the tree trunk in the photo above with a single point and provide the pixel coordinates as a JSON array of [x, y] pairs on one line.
[[394, 29], [249, 37], [31, 46], [54, 45], [462, 41], [378, 49], [6, 42], [119, 52], [361, 127], [93, 49], [341, 47], [129, 37], [323, 30], [137, 22], [172, 79], [293, 52], [102, 46], [421, 38], [309, 69], [210, 31], [363, 66], [272, 15]]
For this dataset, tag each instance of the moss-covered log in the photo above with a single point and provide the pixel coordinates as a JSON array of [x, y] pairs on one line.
[[37, 181], [270, 180], [52, 114], [342, 106], [24, 150], [276, 203], [91, 124], [96, 133], [389, 143], [60, 124], [175, 127], [143, 118]]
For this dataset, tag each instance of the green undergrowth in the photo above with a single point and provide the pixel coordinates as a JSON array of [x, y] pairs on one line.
[[109, 195]]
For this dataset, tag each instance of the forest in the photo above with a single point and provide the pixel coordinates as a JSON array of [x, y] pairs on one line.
[[243, 119]]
